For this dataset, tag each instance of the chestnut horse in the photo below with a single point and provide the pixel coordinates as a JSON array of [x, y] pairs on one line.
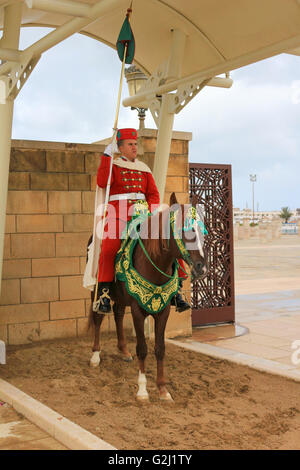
[[163, 254]]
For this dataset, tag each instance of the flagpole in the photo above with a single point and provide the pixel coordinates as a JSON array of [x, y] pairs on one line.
[[95, 303]]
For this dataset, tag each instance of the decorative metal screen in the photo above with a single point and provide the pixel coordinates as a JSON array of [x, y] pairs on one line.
[[213, 297]]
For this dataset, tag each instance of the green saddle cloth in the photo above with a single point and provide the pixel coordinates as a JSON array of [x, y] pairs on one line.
[[149, 296]]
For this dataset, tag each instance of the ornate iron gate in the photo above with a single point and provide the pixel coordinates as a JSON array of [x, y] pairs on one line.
[[213, 297]]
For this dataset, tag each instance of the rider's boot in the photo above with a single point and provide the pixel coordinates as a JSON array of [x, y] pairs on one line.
[[103, 297], [178, 301]]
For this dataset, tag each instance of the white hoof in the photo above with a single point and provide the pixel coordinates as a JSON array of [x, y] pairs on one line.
[[142, 397], [142, 394], [95, 359], [166, 397]]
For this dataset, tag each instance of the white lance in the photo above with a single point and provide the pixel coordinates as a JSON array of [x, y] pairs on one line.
[[96, 302]]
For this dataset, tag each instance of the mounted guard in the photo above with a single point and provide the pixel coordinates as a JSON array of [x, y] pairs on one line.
[[131, 183], [123, 185]]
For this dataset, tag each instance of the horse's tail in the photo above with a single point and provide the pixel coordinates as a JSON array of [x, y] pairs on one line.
[[91, 317]]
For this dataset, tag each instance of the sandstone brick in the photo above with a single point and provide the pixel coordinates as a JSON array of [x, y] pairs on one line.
[[55, 266], [82, 327], [88, 202], [40, 245], [61, 202], [82, 261], [78, 223], [23, 313], [6, 249], [16, 268], [68, 161], [58, 329], [147, 158], [128, 322], [70, 288], [49, 181], [179, 324], [27, 160], [26, 202], [67, 309], [10, 224], [72, 244], [10, 292], [178, 166], [79, 182], [23, 333], [176, 147], [185, 144], [93, 182], [39, 223], [4, 333], [92, 161], [174, 183], [18, 181], [149, 144], [87, 306], [182, 198], [42, 289]]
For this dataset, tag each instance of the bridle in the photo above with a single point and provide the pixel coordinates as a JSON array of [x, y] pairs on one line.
[[192, 218]]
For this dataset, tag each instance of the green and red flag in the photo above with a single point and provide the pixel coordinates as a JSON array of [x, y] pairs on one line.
[[126, 37]]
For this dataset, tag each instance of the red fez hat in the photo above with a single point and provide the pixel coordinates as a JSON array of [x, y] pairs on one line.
[[127, 133]]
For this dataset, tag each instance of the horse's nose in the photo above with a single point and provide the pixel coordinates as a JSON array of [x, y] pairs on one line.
[[200, 267]]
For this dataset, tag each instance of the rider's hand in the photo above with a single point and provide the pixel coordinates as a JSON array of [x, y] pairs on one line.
[[111, 148]]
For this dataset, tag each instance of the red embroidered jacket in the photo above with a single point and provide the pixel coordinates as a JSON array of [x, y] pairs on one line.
[[123, 181]]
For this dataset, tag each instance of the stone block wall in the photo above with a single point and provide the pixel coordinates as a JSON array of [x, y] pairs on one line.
[[49, 221], [264, 232]]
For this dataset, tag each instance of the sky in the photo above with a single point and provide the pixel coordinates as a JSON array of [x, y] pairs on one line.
[[254, 126]]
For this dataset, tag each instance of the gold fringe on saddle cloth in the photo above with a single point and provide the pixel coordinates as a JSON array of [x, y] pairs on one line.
[[149, 296]]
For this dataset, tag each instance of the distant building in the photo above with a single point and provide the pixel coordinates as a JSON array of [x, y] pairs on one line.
[[261, 216]]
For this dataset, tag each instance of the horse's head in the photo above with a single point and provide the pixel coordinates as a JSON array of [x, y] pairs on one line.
[[189, 232]]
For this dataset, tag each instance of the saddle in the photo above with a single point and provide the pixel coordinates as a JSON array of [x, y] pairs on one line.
[[150, 297]]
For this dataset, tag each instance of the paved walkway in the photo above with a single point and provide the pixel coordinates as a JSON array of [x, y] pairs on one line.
[[267, 300], [17, 433], [268, 327]]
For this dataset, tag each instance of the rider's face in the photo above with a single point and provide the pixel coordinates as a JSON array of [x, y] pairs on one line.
[[129, 149]]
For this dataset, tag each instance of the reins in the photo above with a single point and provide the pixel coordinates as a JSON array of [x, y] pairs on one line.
[[184, 253]]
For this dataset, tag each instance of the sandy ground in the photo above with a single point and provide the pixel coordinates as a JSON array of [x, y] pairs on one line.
[[218, 405]]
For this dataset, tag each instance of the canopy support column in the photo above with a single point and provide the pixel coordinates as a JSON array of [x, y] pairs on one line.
[[163, 145], [10, 40], [166, 115]]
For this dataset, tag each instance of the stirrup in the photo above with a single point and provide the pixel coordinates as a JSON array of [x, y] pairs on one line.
[[180, 304], [107, 310]]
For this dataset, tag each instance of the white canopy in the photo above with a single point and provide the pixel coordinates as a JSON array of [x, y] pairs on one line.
[[218, 31]]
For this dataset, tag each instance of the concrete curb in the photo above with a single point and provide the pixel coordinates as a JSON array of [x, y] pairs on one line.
[[60, 428], [263, 365]]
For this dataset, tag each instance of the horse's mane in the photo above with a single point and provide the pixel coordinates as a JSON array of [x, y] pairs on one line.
[[155, 246]]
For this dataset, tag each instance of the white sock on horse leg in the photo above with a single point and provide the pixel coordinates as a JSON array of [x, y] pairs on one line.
[[142, 383], [95, 359]]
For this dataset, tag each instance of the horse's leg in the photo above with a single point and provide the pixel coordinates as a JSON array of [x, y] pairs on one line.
[[160, 326], [119, 312], [141, 352], [97, 319]]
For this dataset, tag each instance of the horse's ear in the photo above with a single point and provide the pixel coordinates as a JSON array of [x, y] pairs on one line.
[[194, 200], [173, 199]]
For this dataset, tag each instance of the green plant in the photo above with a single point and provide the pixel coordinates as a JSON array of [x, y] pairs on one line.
[[285, 214]]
